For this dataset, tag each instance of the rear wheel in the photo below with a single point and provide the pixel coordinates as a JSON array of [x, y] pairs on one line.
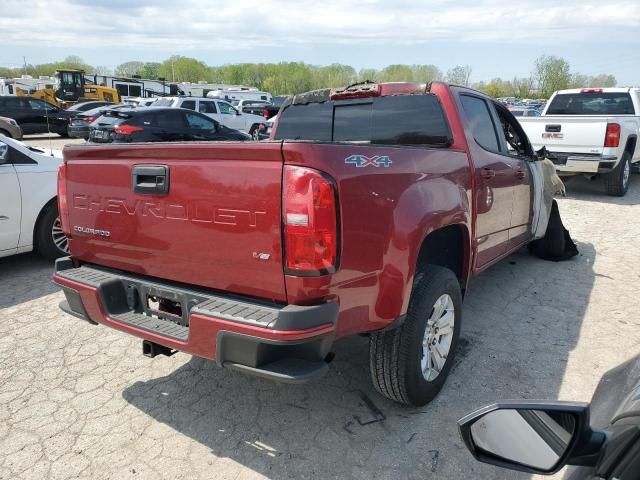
[[411, 363], [617, 182], [253, 131], [50, 242]]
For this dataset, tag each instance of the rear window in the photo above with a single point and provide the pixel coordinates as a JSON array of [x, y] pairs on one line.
[[592, 103], [393, 120]]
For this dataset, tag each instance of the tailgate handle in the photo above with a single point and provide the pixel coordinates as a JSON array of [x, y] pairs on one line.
[[552, 128], [152, 179]]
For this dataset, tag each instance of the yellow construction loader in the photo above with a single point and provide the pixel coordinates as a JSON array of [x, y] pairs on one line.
[[73, 88]]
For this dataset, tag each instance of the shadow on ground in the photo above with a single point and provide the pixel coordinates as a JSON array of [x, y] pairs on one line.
[[23, 278], [522, 319], [580, 187]]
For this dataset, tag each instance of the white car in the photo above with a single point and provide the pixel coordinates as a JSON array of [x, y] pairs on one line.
[[221, 111], [140, 101], [28, 200]]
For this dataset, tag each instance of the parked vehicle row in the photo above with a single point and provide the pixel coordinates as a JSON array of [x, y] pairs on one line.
[[219, 110], [159, 125]]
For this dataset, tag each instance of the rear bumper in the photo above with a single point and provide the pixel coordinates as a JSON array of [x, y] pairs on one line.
[[573, 163], [287, 343], [76, 131]]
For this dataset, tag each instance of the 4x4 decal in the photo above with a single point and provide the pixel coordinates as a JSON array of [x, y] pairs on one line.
[[361, 161]]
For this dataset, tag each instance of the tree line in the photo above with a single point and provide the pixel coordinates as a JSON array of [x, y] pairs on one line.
[[549, 73]]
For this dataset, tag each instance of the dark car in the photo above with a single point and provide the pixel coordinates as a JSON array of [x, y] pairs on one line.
[[159, 125], [255, 107], [272, 110], [79, 124], [600, 440], [85, 106], [35, 116]]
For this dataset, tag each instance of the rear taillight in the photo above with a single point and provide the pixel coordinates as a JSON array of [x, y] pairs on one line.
[[265, 114], [310, 217], [126, 130], [612, 137], [89, 119], [63, 205]]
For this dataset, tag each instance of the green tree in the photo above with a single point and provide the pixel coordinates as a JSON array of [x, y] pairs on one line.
[[396, 73], [129, 69], [368, 74], [522, 87], [578, 80], [183, 69], [151, 70], [459, 75], [603, 80], [495, 88], [551, 74]]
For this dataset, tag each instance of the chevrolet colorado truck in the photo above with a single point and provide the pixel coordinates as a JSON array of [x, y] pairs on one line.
[[367, 212], [592, 131]]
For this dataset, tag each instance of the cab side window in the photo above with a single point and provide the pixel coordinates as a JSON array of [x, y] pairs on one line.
[[189, 104], [481, 123], [226, 109], [207, 107], [201, 123], [511, 134]]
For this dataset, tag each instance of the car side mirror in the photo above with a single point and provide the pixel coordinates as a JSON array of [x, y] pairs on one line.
[[542, 153], [535, 437]]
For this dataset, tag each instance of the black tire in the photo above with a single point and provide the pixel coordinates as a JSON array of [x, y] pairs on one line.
[[395, 356], [43, 238], [253, 132], [64, 133], [617, 182], [5, 133], [556, 245]]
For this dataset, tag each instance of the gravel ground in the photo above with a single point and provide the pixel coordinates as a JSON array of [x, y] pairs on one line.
[[80, 401]]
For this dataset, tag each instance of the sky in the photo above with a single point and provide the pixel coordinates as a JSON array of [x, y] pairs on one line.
[[497, 38]]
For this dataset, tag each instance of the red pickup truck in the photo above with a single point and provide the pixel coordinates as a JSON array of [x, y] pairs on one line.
[[367, 212]]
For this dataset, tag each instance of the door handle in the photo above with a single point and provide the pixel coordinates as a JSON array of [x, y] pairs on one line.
[[487, 173], [151, 179], [520, 174]]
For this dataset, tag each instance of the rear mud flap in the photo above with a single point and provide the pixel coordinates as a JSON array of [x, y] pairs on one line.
[[556, 245]]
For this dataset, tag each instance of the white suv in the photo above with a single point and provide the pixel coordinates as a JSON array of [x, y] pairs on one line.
[[219, 110]]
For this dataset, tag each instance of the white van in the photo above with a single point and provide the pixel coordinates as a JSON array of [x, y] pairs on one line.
[[219, 110]]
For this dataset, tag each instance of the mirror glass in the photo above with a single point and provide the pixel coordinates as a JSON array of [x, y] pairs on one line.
[[533, 438], [4, 150]]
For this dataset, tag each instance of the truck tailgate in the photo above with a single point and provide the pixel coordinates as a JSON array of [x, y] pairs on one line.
[[566, 133], [217, 226]]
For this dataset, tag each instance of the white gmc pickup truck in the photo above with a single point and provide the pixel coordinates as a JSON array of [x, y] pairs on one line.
[[592, 131]]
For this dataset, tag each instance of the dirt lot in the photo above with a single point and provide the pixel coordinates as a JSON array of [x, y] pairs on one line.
[[80, 401]]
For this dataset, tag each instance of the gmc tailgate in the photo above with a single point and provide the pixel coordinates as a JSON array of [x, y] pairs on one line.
[[200, 214], [566, 133]]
